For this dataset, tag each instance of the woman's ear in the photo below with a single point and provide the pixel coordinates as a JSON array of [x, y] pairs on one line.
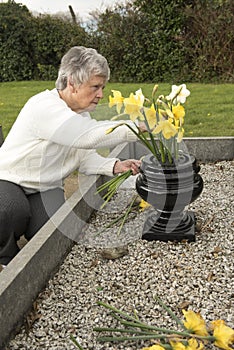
[[71, 86]]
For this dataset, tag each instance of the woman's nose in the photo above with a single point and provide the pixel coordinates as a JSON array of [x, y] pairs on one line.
[[100, 93]]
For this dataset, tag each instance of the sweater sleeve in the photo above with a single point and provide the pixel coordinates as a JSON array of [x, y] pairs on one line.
[[53, 120], [93, 163]]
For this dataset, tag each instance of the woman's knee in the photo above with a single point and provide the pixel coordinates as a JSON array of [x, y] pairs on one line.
[[14, 208]]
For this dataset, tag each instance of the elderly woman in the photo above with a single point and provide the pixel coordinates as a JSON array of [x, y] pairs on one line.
[[52, 136]]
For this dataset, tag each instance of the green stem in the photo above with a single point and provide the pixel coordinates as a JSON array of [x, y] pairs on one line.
[[137, 337], [115, 310], [76, 342], [140, 136], [162, 151], [115, 179], [127, 213], [112, 186], [153, 328], [145, 141], [148, 337], [121, 330], [137, 323], [170, 312], [156, 150], [111, 224]]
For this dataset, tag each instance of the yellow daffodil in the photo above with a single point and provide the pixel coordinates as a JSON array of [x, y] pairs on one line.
[[133, 105], [150, 115], [116, 100], [178, 93], [164, 108], [178, 111], [154, 90], [193, 344], [154, 347], [177, 345], [163, 115], [140, 95], [180, 135], [195, 323], [167, 128], [224, 335], [143, 205]]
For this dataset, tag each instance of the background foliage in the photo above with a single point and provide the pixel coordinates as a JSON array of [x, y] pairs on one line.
[[143, 41]]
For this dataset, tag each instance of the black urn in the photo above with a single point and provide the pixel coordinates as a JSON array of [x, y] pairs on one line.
[[169, 188]]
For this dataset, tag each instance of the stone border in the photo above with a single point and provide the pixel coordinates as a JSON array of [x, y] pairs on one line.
[[205, 149], [27, 274]]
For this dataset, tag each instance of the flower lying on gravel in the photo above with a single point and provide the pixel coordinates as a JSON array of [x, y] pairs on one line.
[[143, 205], [192, 336], [133, 207], [154, 347], [194, 322], [224, 335], [192, 344]]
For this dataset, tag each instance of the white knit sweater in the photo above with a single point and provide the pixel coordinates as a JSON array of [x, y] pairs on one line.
[[48, 141]]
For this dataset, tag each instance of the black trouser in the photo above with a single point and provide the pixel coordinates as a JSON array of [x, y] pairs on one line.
[[22, 214]]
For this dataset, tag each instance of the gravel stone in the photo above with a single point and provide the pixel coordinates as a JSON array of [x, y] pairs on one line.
[[197, 275]]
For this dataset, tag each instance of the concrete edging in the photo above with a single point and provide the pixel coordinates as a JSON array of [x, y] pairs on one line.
[[205, 149], [42, 256]]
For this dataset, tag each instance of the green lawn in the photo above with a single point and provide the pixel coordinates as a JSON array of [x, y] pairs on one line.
[[209, 108]]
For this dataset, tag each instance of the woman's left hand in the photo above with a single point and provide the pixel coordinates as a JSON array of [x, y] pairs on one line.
[[125, 165]]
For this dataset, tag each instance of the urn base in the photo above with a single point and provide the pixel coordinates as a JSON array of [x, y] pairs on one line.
[[164, 228]]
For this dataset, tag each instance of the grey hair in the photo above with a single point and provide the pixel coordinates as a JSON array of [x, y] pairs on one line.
[[78, 64]]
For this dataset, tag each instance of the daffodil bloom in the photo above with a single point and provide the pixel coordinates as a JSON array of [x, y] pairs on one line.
[[195, 323], [180, 135], [116, 100], [193, 344], [140, 95], [154, 90], [150, 115], [178, 111], [178, 93], [224, 335], [133, 105], [167, 128], [154, 347], [143, 205], [177, 124], [165, 108], [163, 116]]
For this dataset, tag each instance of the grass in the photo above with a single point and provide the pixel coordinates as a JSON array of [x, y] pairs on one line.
[[209, 108]]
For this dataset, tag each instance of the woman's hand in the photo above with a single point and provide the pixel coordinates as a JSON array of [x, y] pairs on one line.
[[125, 165]]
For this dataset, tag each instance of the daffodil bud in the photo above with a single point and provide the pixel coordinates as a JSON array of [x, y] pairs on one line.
[[154, 90]]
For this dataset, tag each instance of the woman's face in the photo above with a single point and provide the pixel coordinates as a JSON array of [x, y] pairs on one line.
[[86, 96]]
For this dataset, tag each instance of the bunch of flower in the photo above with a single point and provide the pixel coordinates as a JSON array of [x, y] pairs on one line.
[[194, 334], [163, 117]]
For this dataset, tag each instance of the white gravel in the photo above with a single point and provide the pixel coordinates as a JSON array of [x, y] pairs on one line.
[[196, 275]]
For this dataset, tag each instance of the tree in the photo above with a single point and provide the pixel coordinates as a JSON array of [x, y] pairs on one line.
[[16, 52], [53, 37], [209, 40], [139, 40]]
